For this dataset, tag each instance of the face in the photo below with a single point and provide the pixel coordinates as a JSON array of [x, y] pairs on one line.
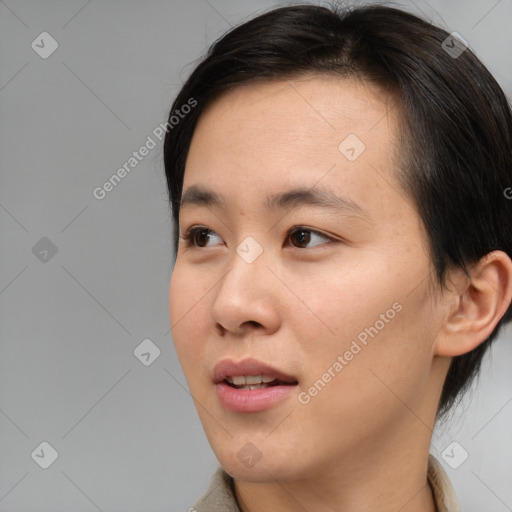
[[333, 294]]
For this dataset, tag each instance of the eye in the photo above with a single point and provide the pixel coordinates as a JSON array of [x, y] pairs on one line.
[[198, 236], [304, 235], [191, 236]]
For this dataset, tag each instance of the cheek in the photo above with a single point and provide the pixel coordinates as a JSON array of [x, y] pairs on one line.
[[375, 297], [347, 303], [186, 310], [382, 365], [371, 328]]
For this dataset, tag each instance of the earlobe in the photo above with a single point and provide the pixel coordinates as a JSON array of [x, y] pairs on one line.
[[479, 304]]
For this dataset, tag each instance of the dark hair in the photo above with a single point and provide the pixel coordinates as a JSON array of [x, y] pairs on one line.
[[456, 138]]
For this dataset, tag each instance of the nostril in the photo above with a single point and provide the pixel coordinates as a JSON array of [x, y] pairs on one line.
[[240, 331]]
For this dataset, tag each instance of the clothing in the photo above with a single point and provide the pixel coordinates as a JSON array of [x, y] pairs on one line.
[[220, 495]]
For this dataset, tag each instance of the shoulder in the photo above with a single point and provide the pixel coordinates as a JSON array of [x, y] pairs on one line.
[[219, 496], [444, 494]]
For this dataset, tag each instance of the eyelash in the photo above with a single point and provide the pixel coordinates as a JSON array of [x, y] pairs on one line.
[[188, 237]]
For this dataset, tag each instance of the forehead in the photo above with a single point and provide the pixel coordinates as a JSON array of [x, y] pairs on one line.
[[325, 106], [266, 137]]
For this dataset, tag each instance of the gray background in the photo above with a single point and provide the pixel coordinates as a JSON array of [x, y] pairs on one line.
[[127, 435]]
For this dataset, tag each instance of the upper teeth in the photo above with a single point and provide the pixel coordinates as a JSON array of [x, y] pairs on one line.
[[240, 380]]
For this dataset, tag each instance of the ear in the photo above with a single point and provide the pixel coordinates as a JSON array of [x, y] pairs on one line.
[[476, 305]]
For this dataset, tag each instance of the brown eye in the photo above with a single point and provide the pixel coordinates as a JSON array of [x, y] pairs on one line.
[[197, 237], [302, 237], [201, 236]]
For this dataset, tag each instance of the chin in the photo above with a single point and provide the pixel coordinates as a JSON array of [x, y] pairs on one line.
[[249, 464], [243, 474]]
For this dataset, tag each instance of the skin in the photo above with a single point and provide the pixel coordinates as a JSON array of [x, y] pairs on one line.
[[362, 443]]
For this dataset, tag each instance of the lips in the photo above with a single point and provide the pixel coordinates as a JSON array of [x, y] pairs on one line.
[[274, 388], [230, 368]]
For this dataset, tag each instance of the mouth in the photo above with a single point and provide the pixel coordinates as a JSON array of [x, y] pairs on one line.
[[250, 385], [255, 382], [250, 372]]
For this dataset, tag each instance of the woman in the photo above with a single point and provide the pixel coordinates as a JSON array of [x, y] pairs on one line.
[[338, 185]]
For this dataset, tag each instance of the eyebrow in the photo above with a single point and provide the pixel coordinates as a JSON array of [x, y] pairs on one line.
[[294, 198]]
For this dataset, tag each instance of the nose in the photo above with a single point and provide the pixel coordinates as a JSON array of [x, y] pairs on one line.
[[246, 299]]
